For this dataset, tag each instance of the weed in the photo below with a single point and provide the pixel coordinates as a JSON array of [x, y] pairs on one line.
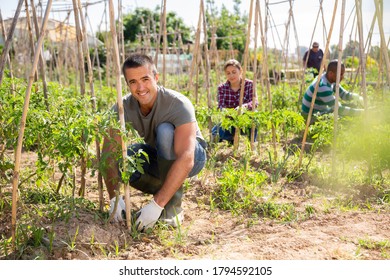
[[282, 212], [277, 167], [239, 190], [374, 245], [6, 246], [310, 210], [116, 248], [72, 241], [51, 239]]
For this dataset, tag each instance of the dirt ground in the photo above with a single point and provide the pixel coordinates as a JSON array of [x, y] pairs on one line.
[[216, 234]]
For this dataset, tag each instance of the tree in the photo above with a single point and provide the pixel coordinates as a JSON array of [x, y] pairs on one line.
[[334, 52], [229, 27], [146, 22], [351, 49]]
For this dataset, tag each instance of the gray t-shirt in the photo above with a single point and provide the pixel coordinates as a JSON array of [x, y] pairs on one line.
[[170, 106]]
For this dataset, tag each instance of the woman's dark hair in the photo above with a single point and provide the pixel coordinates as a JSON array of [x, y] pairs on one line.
[[232, 62]]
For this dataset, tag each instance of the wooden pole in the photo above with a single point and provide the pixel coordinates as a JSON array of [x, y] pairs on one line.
[[80, 54], [121, 39], [96, 53], [384, 50], [362, 59], [207, 66], [41, 61], [337, 94], [307, 58], [265, 67], [159, 36], [31, 38], [93, 101], [164, 32], [317, 85], [7, 55], [120, 110], [18, 151], [194, 62], [254, 99], [246, 54], [8, 42]]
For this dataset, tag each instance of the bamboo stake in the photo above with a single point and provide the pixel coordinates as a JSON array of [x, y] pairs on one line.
[[214, 51], [207, 66], [18, 151], [121, 39], [338, 78], [323, 21], [264, 74], [96, 52], [120, 112], [8, 42], [254, 99], [159, 35], [164, 32], [297, 43], [80, 55], [362, 59], [307, 59], [7, 55], [93, 101], [194, 62], [268, 83], [29, 28], [246, 54], [287, 38], [385, 54], [362, 66], [317, 84], [41, 62]]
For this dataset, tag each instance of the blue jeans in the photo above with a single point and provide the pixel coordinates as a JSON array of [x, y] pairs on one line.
[[228, 135], [160, 161]]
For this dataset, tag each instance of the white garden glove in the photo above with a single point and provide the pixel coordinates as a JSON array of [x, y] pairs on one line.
[[148, 216], [120, 209], [361, 101]]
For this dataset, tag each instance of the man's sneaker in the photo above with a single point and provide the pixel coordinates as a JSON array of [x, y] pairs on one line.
[[174, 221]]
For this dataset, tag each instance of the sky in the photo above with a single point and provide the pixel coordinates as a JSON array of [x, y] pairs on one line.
[[305, 14]]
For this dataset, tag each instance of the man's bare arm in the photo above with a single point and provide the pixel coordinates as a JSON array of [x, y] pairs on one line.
[[111, 147], [184, 148]]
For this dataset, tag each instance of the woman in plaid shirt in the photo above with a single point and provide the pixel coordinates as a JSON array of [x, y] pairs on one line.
[[229, 96]]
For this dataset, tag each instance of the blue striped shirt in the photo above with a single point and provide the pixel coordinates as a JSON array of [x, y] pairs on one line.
[[325, 98]]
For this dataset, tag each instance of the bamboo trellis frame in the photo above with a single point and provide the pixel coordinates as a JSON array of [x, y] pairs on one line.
[[18, 151], [317, 85], [206, 64], [41, 61], [246, 54], [120, 113], [337, 94], [8, 41], [7, 57]]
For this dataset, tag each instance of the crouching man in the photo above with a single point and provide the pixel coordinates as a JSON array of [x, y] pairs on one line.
[[172, 140]]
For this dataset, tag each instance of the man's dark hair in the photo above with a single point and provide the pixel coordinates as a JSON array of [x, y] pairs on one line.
[[332, 66], [137, 60]]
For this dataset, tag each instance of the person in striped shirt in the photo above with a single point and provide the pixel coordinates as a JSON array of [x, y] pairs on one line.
[[325, 98], [229, 96]]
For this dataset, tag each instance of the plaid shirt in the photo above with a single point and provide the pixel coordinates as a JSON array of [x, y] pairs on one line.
[[228, 98]]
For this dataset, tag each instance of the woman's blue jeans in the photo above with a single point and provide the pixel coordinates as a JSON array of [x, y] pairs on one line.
[[228, 134]]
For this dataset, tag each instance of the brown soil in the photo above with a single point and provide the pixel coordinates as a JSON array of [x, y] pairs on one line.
[[329, 233]]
